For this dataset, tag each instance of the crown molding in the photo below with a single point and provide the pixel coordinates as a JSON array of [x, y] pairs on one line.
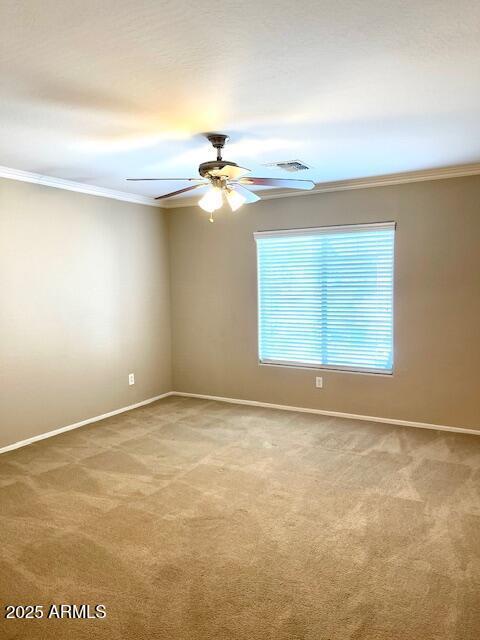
[[456, 171], [422, 175], [79, 187]]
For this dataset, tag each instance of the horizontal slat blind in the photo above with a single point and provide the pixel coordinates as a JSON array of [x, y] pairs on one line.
[[326, 297]]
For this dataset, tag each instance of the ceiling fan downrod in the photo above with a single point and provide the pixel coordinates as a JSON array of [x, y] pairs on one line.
[[217, 140]]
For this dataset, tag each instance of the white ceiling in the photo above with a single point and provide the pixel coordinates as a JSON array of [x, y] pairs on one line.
[[97, 91]]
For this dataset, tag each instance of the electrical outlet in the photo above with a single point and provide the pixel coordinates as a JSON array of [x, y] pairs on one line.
[[319, 382], [131, 378]]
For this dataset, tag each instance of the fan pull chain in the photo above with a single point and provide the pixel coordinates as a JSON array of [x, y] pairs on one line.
[[211, 218]]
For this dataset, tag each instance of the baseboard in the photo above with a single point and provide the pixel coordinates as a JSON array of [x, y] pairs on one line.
[[82, 423], [335, 414], [253, 403]]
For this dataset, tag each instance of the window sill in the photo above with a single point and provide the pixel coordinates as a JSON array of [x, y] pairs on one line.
[[367, 372]]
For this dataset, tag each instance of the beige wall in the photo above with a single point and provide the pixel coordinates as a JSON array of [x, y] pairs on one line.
[[437, 303], [84, 301]]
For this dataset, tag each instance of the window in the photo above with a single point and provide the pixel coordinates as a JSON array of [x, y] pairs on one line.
[[325, 297]]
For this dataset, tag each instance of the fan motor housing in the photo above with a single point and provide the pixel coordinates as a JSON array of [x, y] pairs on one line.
[[206, 167]]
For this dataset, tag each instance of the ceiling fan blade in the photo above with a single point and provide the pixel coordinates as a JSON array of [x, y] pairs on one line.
[[248, 195], [279, 182], [171, 179], [230, 172], [175, 193]]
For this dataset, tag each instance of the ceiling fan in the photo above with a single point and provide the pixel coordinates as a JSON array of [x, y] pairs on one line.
[[226, 180]]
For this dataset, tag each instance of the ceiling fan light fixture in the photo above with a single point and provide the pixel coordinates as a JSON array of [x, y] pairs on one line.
[[234, 199], [212, 200]]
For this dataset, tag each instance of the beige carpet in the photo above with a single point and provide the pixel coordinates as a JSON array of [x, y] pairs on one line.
[[199, 520]]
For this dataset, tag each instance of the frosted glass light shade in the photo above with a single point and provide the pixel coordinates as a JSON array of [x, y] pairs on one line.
[[234, 199], [212, 200]]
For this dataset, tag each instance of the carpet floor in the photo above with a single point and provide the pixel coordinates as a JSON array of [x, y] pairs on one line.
[[198, 520]]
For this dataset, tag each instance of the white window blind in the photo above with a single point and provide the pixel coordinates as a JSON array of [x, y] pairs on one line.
[[325, 297]]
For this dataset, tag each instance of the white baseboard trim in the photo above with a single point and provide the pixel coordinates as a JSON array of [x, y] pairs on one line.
[[334, 414], [82, 423], [253, 403]]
